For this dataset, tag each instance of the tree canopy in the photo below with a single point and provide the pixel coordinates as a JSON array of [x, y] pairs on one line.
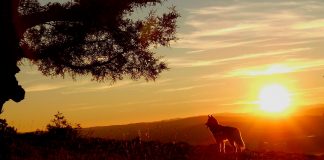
[[60, 128], [83, 37]]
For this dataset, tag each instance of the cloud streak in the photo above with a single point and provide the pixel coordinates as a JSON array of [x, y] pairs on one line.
[[95, 87], [251, 56], [43, 87], [248, 23], [297, 65], [182, 88]]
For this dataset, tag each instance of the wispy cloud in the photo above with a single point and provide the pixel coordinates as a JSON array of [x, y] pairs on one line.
[[212, 76], [144, 102], [297, 65], [292, 43], [248, 23], [96, 87], [182, 88], [195, 51], [268, 70], [44, 87], [83, 107], [223, 31], [312, 24], [195, 101], [212, 10], [200, 63], [42, 84], [157, 82], [310, 91], [242, 103]]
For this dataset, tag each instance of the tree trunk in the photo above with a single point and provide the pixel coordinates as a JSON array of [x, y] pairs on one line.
[[10, 54]]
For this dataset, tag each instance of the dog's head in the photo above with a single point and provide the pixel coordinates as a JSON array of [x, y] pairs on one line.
[[211, 121]]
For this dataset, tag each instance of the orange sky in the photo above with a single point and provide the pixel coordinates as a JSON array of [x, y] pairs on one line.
[[227, 51]]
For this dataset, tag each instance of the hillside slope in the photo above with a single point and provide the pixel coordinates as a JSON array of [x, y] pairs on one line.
[[296, 134]]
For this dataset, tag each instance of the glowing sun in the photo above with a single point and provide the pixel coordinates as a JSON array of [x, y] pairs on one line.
[[274, 98]]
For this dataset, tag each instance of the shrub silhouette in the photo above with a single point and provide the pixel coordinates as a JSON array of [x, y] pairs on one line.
[[6, 130], [60, 128], [7, 134]]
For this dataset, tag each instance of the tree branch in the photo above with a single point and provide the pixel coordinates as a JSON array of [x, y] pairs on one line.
[[28, 21]]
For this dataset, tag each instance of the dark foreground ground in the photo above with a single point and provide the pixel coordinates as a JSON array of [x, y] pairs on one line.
[[40, 147]]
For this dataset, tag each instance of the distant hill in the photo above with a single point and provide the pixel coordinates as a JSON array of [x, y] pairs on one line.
[[295, 134], [185, 129]]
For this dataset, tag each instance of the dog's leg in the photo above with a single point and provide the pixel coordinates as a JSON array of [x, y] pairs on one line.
[[235, 148], [240, 149], [222, 146], [233, 145], [219, 147]]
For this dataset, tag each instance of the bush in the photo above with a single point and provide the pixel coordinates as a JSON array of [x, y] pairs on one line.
[[6, 130], [7, 134], [59, 128]]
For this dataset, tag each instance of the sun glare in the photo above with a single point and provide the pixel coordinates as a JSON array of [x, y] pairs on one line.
[[274, 98]]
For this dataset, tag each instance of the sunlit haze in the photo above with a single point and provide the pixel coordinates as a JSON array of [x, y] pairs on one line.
[[274, 98], [231, 57]]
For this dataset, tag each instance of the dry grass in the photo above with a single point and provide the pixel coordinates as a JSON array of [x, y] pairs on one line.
[[40, 147]]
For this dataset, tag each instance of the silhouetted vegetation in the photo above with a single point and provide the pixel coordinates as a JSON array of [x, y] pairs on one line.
[[82, 37], [39, 147], [63, 141], [7, 136], [209, 152], [60, 128], [6, 130]]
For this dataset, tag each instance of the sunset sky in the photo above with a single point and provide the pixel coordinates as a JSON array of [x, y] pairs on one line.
[[227, 51]]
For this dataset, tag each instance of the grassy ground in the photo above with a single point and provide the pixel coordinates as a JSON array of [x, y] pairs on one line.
[[40, 147], [208, 153]]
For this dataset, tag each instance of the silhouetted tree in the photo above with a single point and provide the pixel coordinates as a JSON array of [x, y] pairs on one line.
[[61, 128], [82, 37], [6, 130], [7, 133]]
